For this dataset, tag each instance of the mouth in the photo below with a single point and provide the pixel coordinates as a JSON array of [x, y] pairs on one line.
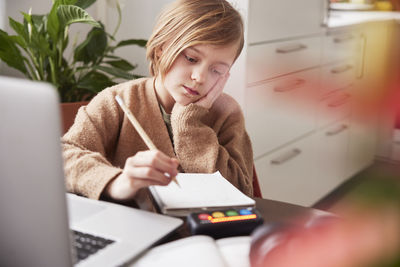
[[191, 91]]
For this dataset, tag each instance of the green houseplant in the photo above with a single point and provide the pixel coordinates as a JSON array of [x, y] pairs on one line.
[[38, 51]]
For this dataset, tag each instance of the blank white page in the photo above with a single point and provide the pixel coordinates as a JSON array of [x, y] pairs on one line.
[[199, 190], [235, 250], [193, 251]]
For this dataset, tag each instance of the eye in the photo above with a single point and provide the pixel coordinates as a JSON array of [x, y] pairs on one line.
[[217, 72], [220, 70], [190, 59]]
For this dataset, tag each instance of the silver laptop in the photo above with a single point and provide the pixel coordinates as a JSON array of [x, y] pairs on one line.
[[39, 222]]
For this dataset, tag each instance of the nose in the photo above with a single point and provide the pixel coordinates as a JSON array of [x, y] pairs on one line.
[[199, 74]]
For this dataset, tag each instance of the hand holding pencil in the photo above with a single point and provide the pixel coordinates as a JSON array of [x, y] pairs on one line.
[[145, 168], [139, 129]]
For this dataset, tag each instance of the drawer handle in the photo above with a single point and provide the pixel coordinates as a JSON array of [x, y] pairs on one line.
[[285, 157], [340, 129], [342, 39], [328, 94], [289, 87], [339, 101], [332, 93], [290, 48], [341, 69], [362, 57]]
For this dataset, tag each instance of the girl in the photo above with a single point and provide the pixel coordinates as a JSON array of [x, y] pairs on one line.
[[196, 127]]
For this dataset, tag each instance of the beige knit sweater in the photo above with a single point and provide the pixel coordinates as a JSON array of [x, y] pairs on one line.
[[102, 138]]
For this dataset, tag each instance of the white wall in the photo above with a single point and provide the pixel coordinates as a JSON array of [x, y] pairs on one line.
[[2, 13], [138, 18]]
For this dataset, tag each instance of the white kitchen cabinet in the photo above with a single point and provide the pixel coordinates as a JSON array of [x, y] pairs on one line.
[[265, 61], [369, 97], [341, 44], [338, 75], [362, 145], [305, 171], [336, 91], [283, 57], [308, 135], [330, 156], [278, 19], [334, 106], [288, 174], [281, 110]]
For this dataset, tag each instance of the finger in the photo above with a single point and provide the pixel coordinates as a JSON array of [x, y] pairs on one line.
[[151, 175], [217, 88], [141, 183], [155, 159], [138, 183]]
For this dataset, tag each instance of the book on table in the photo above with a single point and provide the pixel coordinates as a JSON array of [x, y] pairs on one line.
[[197, 192], [199, 251]]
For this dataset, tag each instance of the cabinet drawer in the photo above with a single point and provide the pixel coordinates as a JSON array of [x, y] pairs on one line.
[[341, 46], [266, 61], [338, 75], [362, 143], [280, 110], [334, 106], [331, 148], [277, 19], [288, 174], [336, 93]]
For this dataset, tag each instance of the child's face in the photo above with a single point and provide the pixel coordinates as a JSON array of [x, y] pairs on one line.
[[196, 70]]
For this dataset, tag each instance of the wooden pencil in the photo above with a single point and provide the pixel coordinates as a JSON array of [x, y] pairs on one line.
[[139, 128]]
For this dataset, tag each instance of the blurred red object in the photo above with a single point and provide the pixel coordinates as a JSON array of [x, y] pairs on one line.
[[361, 237]]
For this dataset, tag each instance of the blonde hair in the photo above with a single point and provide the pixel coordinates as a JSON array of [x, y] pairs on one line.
[[185, 23]]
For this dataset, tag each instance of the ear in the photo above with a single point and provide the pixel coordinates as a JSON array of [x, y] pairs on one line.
[[159, 51]]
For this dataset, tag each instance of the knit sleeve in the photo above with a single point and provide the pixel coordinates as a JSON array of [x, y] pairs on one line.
[[87, 145], [216, 140]]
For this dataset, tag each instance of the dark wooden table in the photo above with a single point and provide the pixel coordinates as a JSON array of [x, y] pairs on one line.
[[272, 212], [280, 212]]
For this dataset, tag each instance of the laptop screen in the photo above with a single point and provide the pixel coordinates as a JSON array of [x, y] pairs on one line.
[[33, 221]]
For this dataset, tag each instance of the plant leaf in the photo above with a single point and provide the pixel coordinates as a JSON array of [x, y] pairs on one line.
[[84, 3], [20, 30], [53, 23], [65, 2], [112, 56], [37, 40], [93, 47], [116, 72], [18, 40], [95, 81], [121, 64], [38, 22], [139, 42], [10, 54], [69, 14]]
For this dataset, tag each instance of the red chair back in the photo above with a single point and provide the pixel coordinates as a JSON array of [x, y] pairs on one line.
[[256, 185]]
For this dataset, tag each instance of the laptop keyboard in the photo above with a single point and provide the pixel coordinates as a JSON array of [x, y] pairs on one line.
[[87, 244]]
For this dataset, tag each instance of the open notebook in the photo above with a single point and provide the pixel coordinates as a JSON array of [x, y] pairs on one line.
[[199, 251], [198, 191]]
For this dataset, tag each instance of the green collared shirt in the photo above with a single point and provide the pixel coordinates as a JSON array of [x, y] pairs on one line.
[[167, 121]]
